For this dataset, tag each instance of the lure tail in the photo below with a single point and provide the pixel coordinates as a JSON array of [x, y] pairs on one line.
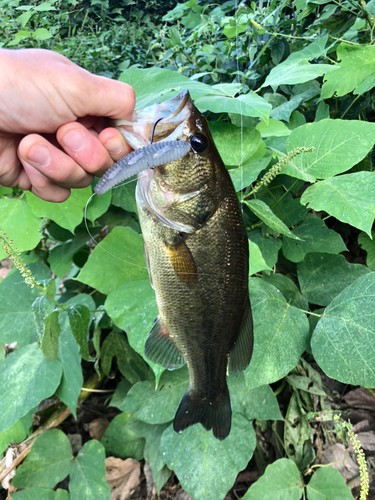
[[212, 415]]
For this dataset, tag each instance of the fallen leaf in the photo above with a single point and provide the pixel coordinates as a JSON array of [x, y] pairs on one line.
[[98, 427], [339, 458], [122, 476]]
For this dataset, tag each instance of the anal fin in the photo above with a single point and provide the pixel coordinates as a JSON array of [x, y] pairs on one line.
[[160, 349], [242, 349]]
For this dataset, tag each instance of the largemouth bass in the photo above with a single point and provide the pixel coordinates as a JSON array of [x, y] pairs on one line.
[[197, 255]]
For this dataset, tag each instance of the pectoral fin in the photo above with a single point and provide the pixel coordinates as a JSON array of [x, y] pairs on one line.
[[242, 349], [182, 261], [160, 349]]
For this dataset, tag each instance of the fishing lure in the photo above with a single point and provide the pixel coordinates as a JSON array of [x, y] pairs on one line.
[[150, 156]]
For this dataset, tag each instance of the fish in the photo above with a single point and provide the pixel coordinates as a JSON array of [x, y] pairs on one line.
[[197, 256]]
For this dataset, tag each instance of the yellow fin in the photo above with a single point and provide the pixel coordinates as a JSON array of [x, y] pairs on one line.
[[182, 261]]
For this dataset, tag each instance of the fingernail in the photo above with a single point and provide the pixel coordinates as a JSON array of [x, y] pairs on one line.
[[114, 146], [39, 156], [75, 140]]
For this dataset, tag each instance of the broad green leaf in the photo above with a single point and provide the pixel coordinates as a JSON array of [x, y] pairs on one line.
[[17, 322], [259, 403], [256, 259], [274, 128], [42, 34], [117, 260], [322, 276], [158, 406], [51, 335], [314, 236], [60, 259], [291, 72], [356, 64], [289, 290], [349, 198], [328, 483], [124, 437], [287, 209], [98, 205], [339, 145], [281, 334], [235, 146], [41, 494], [281, 481], [250, 104], [268, 246], [133, 308], [199, 459], [27, 377], [124, 196], [344, 338], [67, 214], [87, 478], [48, 462], [284, 110], [266, 215], [42, 307], [369, 246], [130, 364], [20, 224], [153, 455], [79, 320], [68, 354], [247, 173], [17, 432]]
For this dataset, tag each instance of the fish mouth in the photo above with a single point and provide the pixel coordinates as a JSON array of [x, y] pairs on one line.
[[170, 115]]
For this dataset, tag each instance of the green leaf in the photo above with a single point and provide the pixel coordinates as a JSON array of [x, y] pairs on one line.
[[117, 260], [274, 128], [153, 455], [68, 354], [160, 405], [258, 403], [67, 214], [79, 320], [17, 322], [281, 481], [356, 64], [130, 364], [322, 276], [327, 482], [20, 224], [87, 478], [228, 137], [27, 377], [281, 334], [133, 308], [284, 110], [343, 340], [339, 145], [124, 437], [265, 214], [248, 172], [41, 494], [369, 246], [42, 34], [124, 196], [51, 336], [349, 198], [199, 459], [314, 236], [268, 246], [42, 307], [48, 462], [17, 432], [98, 205], [256, 260], [289, 290], [250, 104]]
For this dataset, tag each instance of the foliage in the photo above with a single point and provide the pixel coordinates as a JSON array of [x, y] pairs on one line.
[[272, 80]]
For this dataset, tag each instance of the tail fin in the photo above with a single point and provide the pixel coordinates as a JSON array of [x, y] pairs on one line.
[[212, 415]]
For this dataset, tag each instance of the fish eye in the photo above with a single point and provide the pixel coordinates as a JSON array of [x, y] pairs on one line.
[[199, 143]]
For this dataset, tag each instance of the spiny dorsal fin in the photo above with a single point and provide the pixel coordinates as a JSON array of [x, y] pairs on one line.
[[160, 349], [242, 349], [182, 261]]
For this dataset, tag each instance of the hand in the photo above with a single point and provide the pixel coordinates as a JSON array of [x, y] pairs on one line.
[[52, 130]]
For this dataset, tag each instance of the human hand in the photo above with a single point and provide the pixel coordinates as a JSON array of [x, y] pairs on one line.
[[52, 130]]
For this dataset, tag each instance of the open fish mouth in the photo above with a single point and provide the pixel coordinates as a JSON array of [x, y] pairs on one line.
[[162, 123], [170, 115]]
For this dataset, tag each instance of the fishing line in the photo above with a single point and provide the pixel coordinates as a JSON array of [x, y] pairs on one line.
[[241, 117]]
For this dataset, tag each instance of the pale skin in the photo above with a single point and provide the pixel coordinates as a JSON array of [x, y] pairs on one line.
[[53, 135]]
